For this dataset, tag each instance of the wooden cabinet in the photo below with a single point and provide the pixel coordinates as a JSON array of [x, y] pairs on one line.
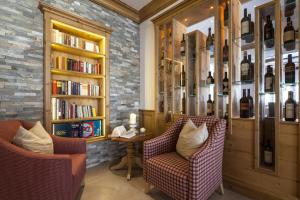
[[249, 139]]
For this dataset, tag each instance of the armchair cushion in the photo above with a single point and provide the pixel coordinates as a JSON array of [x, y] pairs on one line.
[[191, 138], [169, 172], [30, 141]]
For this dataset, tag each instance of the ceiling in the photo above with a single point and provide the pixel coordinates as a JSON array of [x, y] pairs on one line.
[[136, 4]]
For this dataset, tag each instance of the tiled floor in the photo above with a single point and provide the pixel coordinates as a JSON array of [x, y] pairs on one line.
[[103, 184]]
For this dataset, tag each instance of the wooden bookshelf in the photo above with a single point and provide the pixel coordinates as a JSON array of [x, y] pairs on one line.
[[85, 42]]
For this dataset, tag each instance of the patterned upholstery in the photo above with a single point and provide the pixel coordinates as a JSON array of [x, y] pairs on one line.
[[196, 178], [32, 176]]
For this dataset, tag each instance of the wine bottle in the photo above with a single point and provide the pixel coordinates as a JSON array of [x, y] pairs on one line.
[[209, 106], [210, 79], [182, 77], [290, 71], [290, 108], [161, 106], [250, 37], [194, 91], [269, 33], [251, 104], [244, 106], [183, 103], [290, 6], [245, 25], [251, 69], [269, 80], [268, 153], [225, 52], [226, 113], [162, 63], [209, 40], [245, 68], [226, 14], [225, 85], [289, 36], [182, 46]]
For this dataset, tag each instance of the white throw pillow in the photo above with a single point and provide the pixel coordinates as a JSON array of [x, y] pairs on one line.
[[191, 138], [35, 139]]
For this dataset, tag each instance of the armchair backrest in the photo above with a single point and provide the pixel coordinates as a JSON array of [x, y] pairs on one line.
[[9, 128], [198, 120]]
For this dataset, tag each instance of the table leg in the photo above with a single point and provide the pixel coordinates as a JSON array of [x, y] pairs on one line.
[[122, 164], [130, 157]]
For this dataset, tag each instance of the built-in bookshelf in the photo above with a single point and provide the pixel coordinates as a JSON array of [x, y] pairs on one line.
[[76, 90]]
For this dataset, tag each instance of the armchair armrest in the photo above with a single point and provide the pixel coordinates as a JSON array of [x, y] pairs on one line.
[[30, 175], [205, 165], [163, 143], [68, 145]]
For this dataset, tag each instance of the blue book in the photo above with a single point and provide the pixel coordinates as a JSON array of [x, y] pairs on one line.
[[62, 130], [97, 128]]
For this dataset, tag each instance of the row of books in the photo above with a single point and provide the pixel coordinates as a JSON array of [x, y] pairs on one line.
[[63, 87], [64, 63], [62, 109], [73, 41], [83, 129]]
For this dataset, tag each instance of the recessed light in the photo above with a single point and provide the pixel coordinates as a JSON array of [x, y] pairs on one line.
[[185, 19], [211, 7]]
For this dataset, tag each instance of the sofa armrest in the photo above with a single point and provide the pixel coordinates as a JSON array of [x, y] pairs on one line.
[[68, 145], [205, 165], [30, 175], [164, 143]]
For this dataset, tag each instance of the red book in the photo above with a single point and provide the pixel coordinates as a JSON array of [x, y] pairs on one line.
[[54, 87], [81, 66]]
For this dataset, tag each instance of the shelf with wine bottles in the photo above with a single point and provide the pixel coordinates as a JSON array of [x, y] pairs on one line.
[[289, 72], [267, 107]]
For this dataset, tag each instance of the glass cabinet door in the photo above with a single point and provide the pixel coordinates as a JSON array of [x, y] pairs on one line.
[[289, 67], [267, 85]]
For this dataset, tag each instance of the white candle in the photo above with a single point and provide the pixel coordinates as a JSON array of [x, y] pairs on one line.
[[132, 119]]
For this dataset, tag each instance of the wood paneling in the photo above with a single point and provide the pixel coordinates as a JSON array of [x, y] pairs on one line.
[[147, 120], [154, 7], [120, 8]]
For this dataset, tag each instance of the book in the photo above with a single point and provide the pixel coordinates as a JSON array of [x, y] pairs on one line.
[[63, 130], [97, 128], [87, 129]]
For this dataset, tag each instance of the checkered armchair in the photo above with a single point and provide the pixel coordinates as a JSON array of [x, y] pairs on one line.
[[196, 178]]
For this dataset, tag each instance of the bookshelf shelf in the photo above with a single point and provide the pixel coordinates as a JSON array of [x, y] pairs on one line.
[[78, 96], [67, 37], [76, 119], [76, 51], [77, 74]]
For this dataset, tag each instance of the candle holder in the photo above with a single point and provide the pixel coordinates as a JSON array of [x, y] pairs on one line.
[[133, 128]]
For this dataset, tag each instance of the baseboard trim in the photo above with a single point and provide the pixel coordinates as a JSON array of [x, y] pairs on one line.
[[252, 191]]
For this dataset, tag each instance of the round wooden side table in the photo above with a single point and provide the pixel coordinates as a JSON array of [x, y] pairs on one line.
[[130, 159]]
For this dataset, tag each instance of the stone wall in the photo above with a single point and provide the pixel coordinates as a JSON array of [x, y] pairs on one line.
[[21, 64]]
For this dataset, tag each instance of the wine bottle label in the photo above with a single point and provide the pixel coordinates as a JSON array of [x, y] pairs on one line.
[[268, 157], [244, 69], [245, 27], [244, 106], [289, 68], [225, 86], [209, 108], [208, 81], [182, 48], [269, 81], [289, 35], [289, 110]]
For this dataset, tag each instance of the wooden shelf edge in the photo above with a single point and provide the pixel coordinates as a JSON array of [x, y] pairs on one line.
[[76, 120], [75, 73], [76, 51], [243, 119], [96, 139], [78, 96]]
